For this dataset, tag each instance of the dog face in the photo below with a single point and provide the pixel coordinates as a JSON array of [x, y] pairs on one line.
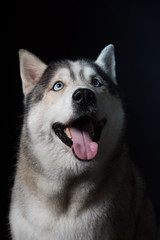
[[74, 115]]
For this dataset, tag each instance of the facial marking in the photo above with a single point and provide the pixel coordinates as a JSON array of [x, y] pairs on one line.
[[82, 71], [62, 74]]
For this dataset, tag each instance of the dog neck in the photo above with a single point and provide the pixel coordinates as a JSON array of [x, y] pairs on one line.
[[72, 192]]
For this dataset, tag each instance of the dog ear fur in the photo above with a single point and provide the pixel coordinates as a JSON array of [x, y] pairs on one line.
[[31, 69], [106, 60]]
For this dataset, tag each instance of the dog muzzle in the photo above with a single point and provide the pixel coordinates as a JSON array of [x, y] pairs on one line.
[[81, 135]]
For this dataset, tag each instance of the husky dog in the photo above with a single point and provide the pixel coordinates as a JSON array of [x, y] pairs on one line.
[[74, 180]]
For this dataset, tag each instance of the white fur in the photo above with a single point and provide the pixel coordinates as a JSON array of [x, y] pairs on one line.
[[48, 227], [41, 118], [38, 219]]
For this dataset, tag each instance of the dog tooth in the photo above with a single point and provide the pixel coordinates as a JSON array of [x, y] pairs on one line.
[[68, 132]]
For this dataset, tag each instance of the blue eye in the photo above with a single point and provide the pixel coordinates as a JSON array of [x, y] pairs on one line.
[[58, 86], [96, 82]]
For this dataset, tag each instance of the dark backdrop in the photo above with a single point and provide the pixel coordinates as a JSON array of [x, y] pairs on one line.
[[71, 29]]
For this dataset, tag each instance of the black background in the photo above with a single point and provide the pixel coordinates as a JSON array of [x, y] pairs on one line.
[[54, 30]]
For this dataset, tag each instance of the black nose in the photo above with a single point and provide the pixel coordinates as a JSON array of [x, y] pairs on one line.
[[84, 96]]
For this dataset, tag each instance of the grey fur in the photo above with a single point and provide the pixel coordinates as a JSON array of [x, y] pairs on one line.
[[56, 196]]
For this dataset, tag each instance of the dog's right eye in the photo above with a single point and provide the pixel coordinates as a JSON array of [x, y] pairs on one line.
[[58, 86]]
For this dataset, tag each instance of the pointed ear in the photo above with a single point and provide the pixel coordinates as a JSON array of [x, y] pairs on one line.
[[31, 69], [106, 60]]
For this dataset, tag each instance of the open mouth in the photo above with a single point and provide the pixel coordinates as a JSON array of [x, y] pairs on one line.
[[81, 135]]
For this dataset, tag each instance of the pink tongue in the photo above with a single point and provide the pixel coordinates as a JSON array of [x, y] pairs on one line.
[[83, 146]]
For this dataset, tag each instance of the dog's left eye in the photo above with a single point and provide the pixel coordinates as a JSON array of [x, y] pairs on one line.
[[96, 82], [58, 86]]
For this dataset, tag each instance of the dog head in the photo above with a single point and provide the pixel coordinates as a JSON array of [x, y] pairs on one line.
[[73, 108]]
